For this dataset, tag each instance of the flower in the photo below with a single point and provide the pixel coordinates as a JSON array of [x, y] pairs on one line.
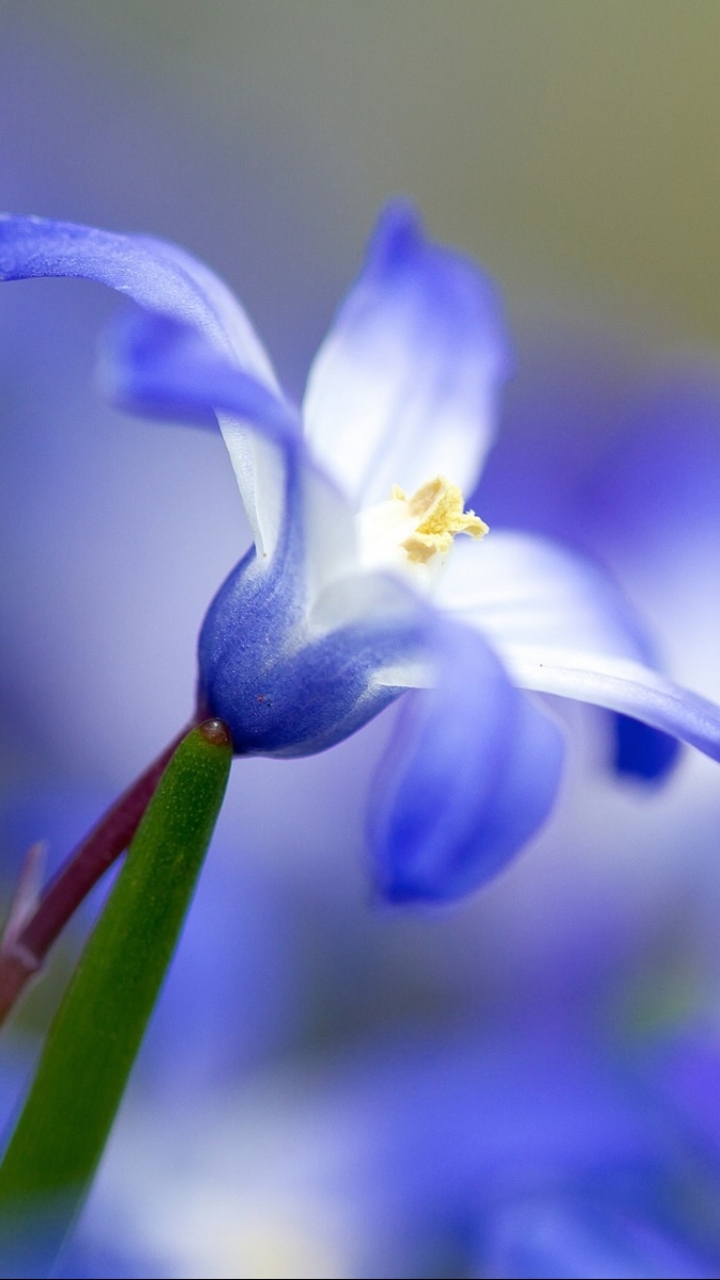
[[355, 589], [512, 1151]]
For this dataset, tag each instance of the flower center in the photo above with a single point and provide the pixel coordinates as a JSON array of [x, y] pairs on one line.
[[439, 508], [415, 533]]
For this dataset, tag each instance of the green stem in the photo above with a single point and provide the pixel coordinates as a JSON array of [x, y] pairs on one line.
[[93, 1041], [24, 948]]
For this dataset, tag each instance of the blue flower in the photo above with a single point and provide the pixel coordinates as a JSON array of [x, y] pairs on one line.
[[355, 591], [514, 1151]]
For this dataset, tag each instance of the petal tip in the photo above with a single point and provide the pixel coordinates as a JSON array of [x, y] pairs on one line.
[[643, 753], [398, 230]]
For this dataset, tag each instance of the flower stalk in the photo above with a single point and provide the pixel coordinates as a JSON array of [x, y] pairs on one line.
[[34, 925]]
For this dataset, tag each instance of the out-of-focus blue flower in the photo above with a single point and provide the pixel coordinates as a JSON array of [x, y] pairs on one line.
[[233, 994], [656, 513], [572, 1237], [513, 1153], [328, 617]]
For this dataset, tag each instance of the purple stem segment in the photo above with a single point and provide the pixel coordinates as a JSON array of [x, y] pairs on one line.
[[23, 952]]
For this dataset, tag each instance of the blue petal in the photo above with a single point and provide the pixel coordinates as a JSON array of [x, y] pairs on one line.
[[469, 776], [641, 751], [404, 387], [156, 365], [161, 278], [283, 688], [156, 275], [159, 366], [628, 688]]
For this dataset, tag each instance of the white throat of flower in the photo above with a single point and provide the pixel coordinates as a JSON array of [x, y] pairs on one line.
[[415, 534]]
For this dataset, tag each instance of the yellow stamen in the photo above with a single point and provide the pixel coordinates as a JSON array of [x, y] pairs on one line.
[[438, 506]]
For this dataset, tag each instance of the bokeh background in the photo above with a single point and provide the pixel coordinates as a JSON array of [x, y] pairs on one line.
[[571, 146]]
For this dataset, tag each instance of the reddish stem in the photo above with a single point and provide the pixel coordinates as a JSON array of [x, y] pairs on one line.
[[22, 954]]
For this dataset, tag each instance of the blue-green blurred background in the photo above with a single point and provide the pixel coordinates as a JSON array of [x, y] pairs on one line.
[[572, 147]]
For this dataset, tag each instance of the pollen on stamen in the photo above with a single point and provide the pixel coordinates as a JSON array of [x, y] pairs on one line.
[[439, 508]]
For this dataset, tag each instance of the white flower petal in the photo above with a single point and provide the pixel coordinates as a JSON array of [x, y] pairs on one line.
[[562, 627], [212, 306], [330, 550], [627, 687], [368, 597], [522, 589], [404, 386]]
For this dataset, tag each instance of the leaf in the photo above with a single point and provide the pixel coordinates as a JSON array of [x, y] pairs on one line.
[[96, 1034]]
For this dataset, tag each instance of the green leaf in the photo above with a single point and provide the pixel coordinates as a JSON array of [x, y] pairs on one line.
[[94, 1039]]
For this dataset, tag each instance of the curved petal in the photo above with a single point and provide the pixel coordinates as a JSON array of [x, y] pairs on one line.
[[161, 367], [469, 776], [157, 275], [155, 365], [404, 386], [562, 627], [162, 278], [626, 687]]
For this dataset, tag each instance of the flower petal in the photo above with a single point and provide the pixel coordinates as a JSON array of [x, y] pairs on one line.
[[626, 687], [289, 683], [157, 275], [523, 589], [159, 366], [165, 279], [469, 776], [404, 386], [562, 627], [643, 752], [155, 365]]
